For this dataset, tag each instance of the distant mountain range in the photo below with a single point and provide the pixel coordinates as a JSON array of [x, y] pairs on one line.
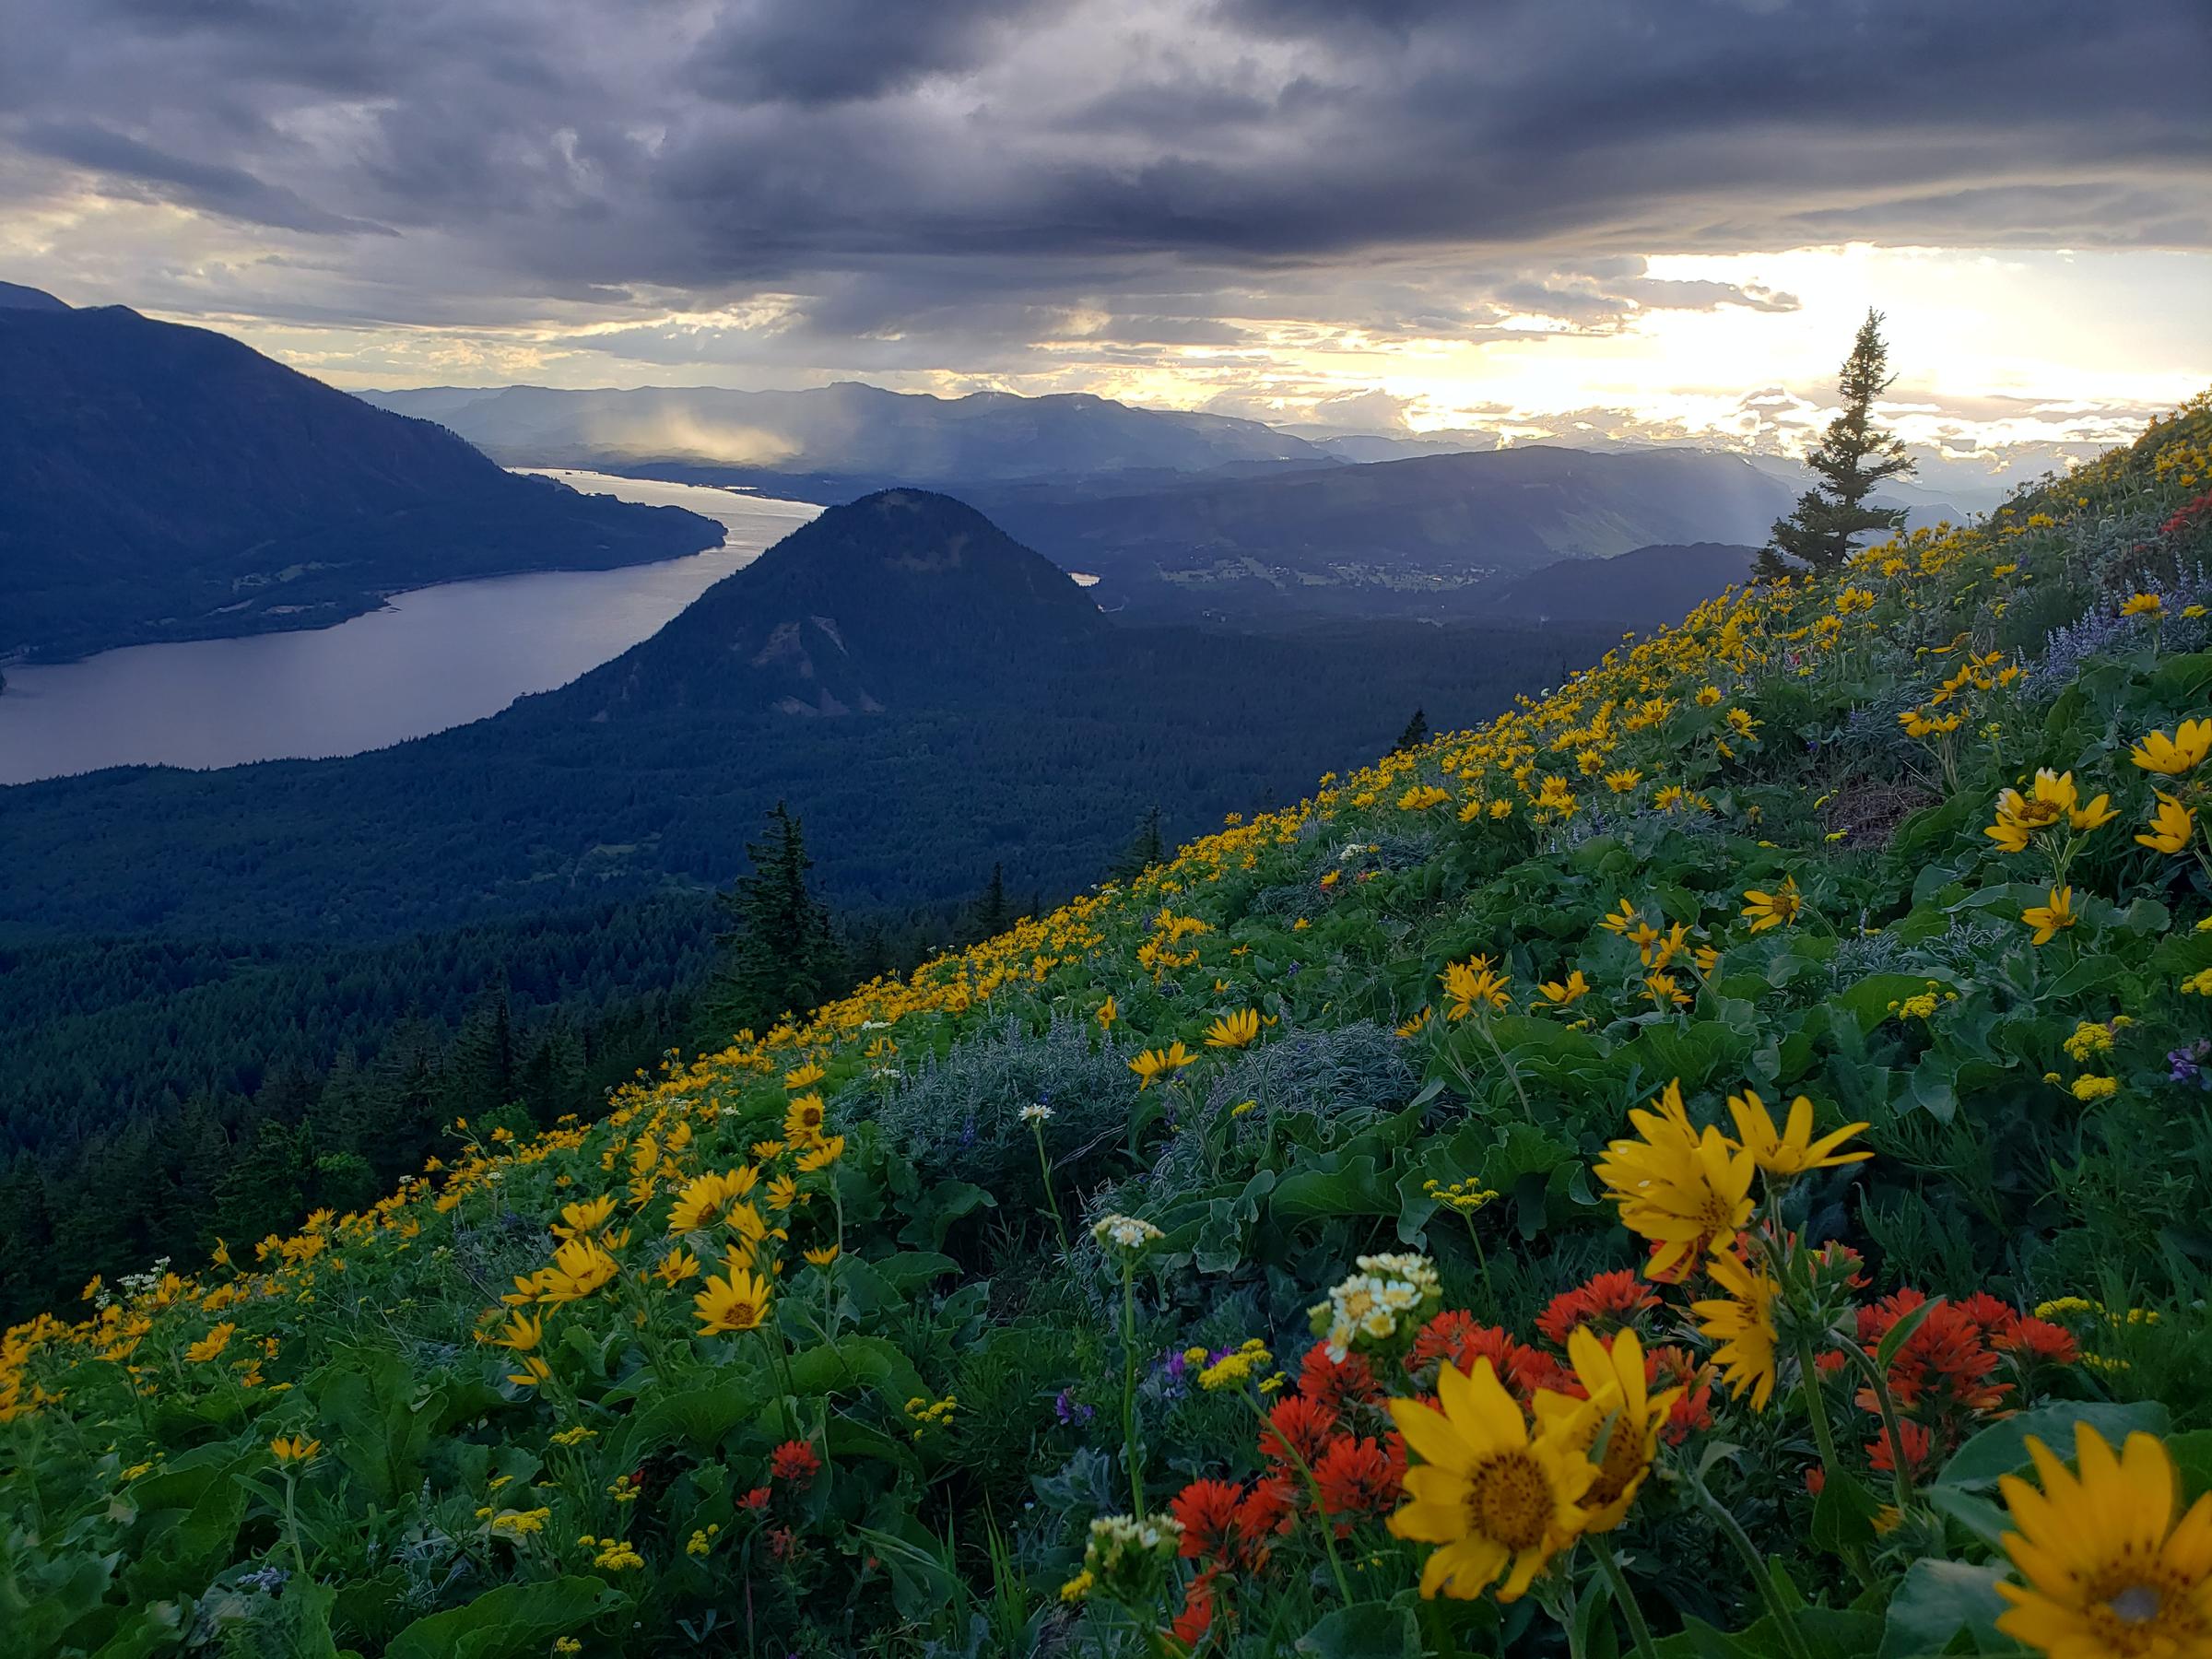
[[830, 443], [1182, 515], [1431, 537], [158, 482]]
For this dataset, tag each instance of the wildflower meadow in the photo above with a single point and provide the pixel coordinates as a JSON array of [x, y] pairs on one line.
[[1713, 1165]]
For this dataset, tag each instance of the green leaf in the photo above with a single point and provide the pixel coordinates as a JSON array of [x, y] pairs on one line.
[[931, 1212], [1894, 1340], [2191, 1453], [699, 1418], [854, 1362], [373, 1419], [1364, 1631], [507, 1622], [1936, 1601], [2002, 1448], [188, 1549], [1869, 1000], [1843, 1513]]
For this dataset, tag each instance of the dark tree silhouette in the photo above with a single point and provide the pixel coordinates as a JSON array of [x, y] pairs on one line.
[[1853, 457]]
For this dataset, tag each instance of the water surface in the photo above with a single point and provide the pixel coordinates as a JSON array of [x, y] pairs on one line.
[[433, 658]]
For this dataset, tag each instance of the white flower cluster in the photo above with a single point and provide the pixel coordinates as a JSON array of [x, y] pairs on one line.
[[1119, 1543], [1037, 1113], [1387, 1294], [1126, 1232]]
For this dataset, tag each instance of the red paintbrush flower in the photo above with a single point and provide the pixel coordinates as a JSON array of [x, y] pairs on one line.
[[1333, 1382], [794, 1461], [1296, 1425], [1207, 1509], [1605, 1304], [1359, 1476]]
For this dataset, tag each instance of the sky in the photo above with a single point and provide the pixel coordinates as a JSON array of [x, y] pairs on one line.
[[1472, 219]]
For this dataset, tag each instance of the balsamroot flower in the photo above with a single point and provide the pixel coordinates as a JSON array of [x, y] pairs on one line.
[[2048, 919], [1473, 984], [2173, 826], [1792, 1152], [1741, 1326], [1233, 1031], [1679, 1187], [1776, 908], [2053, 803], [2108, 1569], [2182, 752], [1155, 1064], [1561, 994], [581, 1220], [737, 1303], [1500, 1503], [710, 1198], [1622, 1407]]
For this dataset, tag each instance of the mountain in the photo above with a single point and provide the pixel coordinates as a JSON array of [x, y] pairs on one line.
[[931, 696], [14, 296], [898, 595], [1420, 538], [1924, 508], [1639, 589], [158, 482], [829, 443]]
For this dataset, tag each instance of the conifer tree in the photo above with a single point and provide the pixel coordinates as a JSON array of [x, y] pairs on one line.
[[1141, 854], [780, 954], [1415, 734], [994, 914], [1854, 455]]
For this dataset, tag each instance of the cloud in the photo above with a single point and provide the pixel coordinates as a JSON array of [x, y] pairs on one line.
[[1074, 191], [126, 165]]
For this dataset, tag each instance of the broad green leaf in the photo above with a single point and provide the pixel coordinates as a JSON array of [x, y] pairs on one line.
[[508, 1622], [1364, 1631], [2002, 1448], [1936, 1601]]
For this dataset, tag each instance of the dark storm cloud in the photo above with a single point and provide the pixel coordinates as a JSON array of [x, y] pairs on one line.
[[969, 165], [209, 185], [835, 51]]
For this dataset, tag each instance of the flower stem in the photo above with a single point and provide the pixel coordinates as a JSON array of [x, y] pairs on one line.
[[1602, 1546], [1045, 1164], [1129, 1445], [1482, 1261], [1733, 1530], [291, 1524], [1901, 1478], [1305, 1471]]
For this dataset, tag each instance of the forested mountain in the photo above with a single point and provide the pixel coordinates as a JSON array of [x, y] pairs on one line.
[[830, 443], [1419, 537], [902, 597], [1643, 588], [158, 482], [997, 717]]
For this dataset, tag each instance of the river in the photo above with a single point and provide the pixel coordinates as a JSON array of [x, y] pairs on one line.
[[431, 658]]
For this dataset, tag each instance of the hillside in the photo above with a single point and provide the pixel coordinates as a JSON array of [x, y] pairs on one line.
[[1643, 588], [830, 443], [1180, 1269], [899, 596], [1424, 537], [167, 483]]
